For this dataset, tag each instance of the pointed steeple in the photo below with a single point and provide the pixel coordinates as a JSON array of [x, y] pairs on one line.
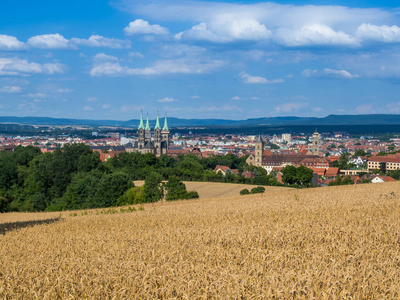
[[141, 126], [259, 140], [165, 124], [147, 123], [158, 123]]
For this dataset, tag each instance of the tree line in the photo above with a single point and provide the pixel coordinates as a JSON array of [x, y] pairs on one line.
[[74, 177]]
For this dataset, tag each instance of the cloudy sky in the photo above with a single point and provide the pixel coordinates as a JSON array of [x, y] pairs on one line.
[[199, 59]]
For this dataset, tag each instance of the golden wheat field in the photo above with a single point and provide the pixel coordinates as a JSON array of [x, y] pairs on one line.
[[324, 243], [217, 189]]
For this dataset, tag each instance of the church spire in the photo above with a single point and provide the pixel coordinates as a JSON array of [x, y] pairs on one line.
[[158, 123], [165, 124], [147, 123], [141, 126]]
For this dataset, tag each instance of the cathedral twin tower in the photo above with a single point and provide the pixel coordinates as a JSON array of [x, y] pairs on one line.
[[160, 142]]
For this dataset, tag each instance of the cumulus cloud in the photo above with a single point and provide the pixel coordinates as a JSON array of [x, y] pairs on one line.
[[16, 66], [172, 66], [226, 29], [236, 98], [10, 89], [87, 108], [315, 34], [384, 33], [102, 57], [140, 26], [286, 25], [50, 41], [246, 78], [8, 42], [329, 73], [167, 99], [100, 41], [290, 107]]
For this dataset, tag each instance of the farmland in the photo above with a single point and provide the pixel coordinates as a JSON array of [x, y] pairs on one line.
[[334, 242], [217, 189]]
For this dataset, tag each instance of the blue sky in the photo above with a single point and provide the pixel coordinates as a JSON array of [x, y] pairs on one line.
[[198, 59]]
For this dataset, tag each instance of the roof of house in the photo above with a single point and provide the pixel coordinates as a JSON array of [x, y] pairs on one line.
[[319, 171], [332, 172], [384, 159]]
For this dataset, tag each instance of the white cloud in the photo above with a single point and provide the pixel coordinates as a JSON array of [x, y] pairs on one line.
[[384, 33], [135, 54], [36, 95], [87, 108], [8, 42], [91, 99], [64, 91], [102, 57], [246, 78], [226, 29], [235, 98], [314, 35], [174, 66], [106, 106], [290, 107], [329, 73], [10, 89], [167, 99], [50, 41], [100, 41], [195, 97], [140, 26], [287, 25], [16, 66]]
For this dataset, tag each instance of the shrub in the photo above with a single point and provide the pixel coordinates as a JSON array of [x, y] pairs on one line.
[[134, 195], [244, 192], [256, 190]]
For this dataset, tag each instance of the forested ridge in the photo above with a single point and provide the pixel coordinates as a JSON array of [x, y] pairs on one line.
[[73, 177]]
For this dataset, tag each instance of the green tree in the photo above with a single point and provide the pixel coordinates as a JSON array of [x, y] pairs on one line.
[[176, 190], [153, 190], [360, 152], [134, 195], [244, 192], [289, 174], [110, 188]]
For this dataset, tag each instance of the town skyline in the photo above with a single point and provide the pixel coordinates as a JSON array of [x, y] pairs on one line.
[[198, 59]]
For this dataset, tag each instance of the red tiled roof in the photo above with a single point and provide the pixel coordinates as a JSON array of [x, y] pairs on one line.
[[332, 172], [319, 171], [384, 159]]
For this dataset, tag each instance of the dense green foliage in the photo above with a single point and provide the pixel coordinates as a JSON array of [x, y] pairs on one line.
[[176, 190], [73, 177], [69, 178], [301, 175], [153, 189], [244, 192], [257, 190], [341, 181]]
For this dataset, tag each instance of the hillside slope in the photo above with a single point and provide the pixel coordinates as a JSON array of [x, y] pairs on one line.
[[217, 189], [333, 242]]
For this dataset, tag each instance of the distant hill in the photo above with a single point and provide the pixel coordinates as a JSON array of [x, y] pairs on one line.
[[372, 119]]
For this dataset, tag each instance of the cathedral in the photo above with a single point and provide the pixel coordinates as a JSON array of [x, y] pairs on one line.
[[156, 143]]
